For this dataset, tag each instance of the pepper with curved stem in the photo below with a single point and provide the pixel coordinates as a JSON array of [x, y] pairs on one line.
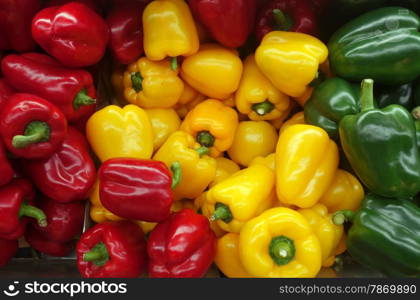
[[221, 212], [263, 108], [35, 132]]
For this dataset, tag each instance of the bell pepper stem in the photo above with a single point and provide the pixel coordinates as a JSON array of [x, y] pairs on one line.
[[280, 20], [205, 138], [366, 93], [35, 132], [27, 210], [221, 212], [137, 81], [416, 113], [342, 216], [282, 250], [263, 108], [82, 99], [176, 174], [98, 255], [174, 63], [202, 151]]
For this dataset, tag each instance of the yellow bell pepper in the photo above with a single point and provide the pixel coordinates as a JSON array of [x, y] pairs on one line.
[[344, 193], [189, 99], [198, 205], [213, 71], [120, 132], [152, 84], [240, 197], [306, 162], [169, 30], [279, 243], [257, 97], [268, 161], [297, 118], [212, 124], [164, 123], [227, 256], [252, 139], [229, 102], [329, 234], [181, 204], [198, 169], [290, 60], [224, 168]]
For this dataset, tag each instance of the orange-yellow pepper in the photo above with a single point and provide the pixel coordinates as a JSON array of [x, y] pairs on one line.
[[305, 96], [189, 99], [297, 118], [164, 123], [224, 168]]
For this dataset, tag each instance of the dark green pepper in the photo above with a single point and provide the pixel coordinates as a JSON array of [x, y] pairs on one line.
[[385, 235], [402, 95], [383, 44], [381, 146]]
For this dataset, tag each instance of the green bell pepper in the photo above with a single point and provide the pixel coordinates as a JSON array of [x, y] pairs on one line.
[[402, 95], [385, 235], [381, 146], [383, 44]]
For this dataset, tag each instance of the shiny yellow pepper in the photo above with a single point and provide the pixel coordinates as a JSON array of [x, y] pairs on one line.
[[306, 162], [290, 60], [224, 168], [152, 84], [268, 161], [212, 124], [120, 132], [279, 243], [257, 97], [164, 123], [198, 206], [240, 197], [214, 71], [169, 30], [297, 118], [198, 169], [252, 139]]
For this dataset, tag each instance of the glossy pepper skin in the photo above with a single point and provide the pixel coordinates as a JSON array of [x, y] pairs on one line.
[[390, 56], [224, 168], [72, 33], [297, 118], [6, 170], [290, 60], [152, 84], [279, 243], [286, 15], [8, 250], [257, 97], [32, 127], [402, 95], [229, 21], [182, 246], [120, 132], [5, 92], [268, 161], [169, 30], [71, 90], [212, 124], [164, 123], [68, 174], [112, 250], [385, 235], [308, 146], [390, 131]]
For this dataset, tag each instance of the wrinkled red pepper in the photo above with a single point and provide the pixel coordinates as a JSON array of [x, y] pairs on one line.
[[137, 189], [229, 21], [5, 92], [8, 250], [15, 23], [6, 169], [68, 174], [41, 244], [182, 246], [287, 15], [112, 249], [73, 33]]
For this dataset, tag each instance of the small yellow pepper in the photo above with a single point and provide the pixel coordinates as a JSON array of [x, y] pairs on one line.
[[257, 97], [344, 193], [198, 205], [252, 139], [164, 123], [212, 124], [198, 169], [227, 256], [290, 60], [240, 197], [297, 118], [279, 243], [213, 71], [169, 30], [152, 84], [268, 161], [120, 132], [306, 162], [224, 168]]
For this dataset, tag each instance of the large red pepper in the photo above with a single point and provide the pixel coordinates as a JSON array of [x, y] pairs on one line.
[[32, 127], [96, 5], [112, 249], [287, 15], [182, 246], [5, 92], [73, 33], [228, 21], [71, 90], [8, 250], [68, 174], [6, 169], [15, 23], [41, 244]]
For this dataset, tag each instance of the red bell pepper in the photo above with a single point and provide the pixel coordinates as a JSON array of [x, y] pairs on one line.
[[68, 174], [137, 189], [5, 92], [71, 90], [228, 21], [32, 127], [37, 241], [15, 23], [8, 250], [125, 24], [182, 246], [6, 170], [73, 33], [96, 5], [287, 15], [112, 249]]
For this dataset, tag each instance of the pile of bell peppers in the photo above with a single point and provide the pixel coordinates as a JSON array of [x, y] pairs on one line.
[[239, 134]]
